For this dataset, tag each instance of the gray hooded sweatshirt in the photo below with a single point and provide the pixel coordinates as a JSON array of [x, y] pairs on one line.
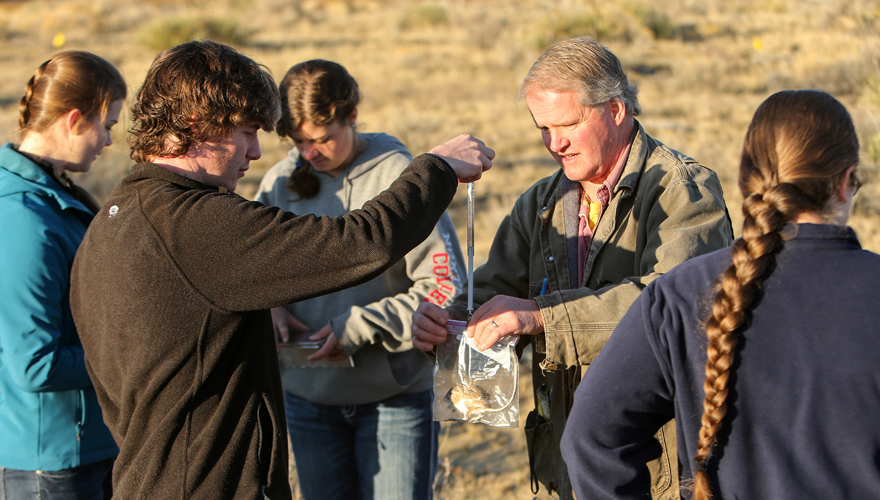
[[372, 321]]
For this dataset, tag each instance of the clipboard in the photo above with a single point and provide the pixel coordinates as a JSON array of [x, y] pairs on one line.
[[295, 353]]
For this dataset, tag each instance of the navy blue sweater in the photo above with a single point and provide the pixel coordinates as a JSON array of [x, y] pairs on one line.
[[804, 413]]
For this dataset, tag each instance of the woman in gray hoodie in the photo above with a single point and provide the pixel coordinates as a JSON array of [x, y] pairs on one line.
[[361, 431]]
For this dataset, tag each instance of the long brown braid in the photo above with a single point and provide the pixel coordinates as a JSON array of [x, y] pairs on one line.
[[24, 111], [796, 153], [70, 80]]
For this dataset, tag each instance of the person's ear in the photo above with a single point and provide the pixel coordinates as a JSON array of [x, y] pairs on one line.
[[73, 121], [844, 191], [353, 116], [618, 110]]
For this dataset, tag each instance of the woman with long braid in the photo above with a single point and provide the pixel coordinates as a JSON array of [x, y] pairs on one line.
[[53, 441], [764, 353]]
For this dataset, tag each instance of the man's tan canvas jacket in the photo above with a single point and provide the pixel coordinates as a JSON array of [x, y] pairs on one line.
[[665, 209]]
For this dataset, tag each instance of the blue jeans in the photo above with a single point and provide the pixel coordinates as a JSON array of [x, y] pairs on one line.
[[87, 482], [384, 451]]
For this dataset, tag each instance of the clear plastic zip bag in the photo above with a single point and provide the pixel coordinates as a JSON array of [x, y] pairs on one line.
[[476, 386]]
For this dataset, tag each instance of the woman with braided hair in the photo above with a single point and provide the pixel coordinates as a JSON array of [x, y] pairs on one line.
[[53, 441], [365, 430], [763, 353]]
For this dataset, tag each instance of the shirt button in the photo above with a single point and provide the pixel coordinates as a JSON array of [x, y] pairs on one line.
[[550, 258]]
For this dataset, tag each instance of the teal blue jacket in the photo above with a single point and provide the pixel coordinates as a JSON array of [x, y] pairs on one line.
[[49, 414]]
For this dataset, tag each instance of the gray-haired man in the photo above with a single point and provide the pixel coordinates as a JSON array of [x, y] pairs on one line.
[[622, 210]]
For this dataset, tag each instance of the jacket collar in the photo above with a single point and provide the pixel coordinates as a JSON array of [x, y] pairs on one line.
[[146, 170], [28, 177], [821, 232], [635, 164]]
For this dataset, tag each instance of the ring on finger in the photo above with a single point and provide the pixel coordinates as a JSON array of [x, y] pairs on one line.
[[494, 324]]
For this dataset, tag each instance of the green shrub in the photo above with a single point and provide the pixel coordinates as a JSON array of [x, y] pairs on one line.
[[662, 27], [658, 23], [423, 15], [166, 33], [594, 22]]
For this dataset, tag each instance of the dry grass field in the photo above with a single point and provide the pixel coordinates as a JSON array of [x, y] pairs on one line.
[[432, 70]]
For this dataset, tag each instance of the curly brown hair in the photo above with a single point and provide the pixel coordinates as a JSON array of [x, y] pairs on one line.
[[795, 156], [196, 92]]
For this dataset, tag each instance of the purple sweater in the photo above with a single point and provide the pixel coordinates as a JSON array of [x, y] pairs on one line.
[[804, 398]]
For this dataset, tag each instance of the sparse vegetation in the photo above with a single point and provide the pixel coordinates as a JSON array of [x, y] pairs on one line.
[[659, 23], [598, 22], [662, 26], [165, 33], [423, 15], [431, 70]]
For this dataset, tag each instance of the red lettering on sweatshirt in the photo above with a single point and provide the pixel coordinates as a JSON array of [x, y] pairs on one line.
[[436, 297], [444, 284], [441, 272]]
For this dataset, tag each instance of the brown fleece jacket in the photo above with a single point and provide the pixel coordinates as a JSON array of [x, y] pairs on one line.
[[170, 291]]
